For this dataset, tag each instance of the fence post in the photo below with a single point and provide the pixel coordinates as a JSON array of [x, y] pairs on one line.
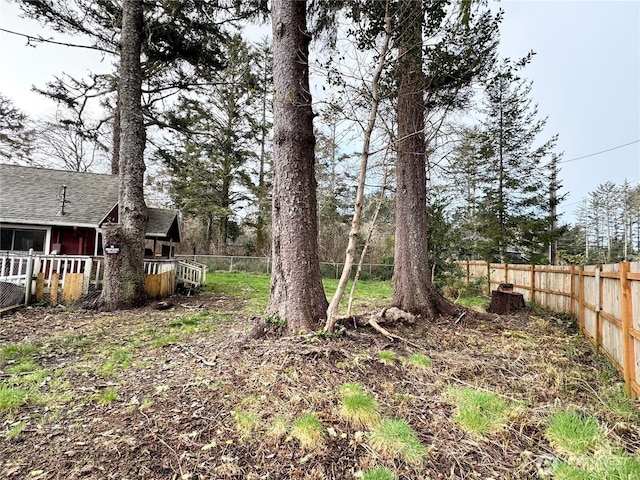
[[88, 268], [598, 306], [28, 280], [628, 350], [571, 291], [489, 276], [581, 298], [532, 286]]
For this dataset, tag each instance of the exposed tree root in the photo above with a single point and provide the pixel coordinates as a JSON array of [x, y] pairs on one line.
[[259, 330], [388, 316]]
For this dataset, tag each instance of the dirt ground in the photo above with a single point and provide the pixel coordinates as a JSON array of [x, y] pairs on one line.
[[151, 394]]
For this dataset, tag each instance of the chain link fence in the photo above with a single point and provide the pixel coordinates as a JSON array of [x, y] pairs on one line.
[[370, 271]]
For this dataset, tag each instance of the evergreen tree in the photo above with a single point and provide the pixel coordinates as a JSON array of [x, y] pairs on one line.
[[15, 135], [183, 41], [513, 211], [210, 164], [124, 272], [262, 176], [335, 188], [464, 173], [296, 292]]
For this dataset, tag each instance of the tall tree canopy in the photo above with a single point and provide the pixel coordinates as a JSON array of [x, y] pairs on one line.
[[182, 43], [210, 159], [15, 134], [513, 210]]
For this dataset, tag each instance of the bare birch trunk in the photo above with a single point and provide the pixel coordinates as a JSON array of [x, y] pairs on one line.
[[332, 311], [367, 242]]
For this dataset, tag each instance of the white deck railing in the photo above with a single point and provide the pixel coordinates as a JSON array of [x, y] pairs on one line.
[[191, 273], [47, 269]]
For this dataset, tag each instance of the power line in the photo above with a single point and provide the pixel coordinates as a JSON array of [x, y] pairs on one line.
[[598, 153]]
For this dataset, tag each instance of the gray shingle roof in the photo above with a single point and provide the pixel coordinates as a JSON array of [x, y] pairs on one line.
[[163, 223], [31, 195]]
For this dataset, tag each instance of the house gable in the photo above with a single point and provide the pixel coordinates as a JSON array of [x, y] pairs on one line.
[[70, 207]]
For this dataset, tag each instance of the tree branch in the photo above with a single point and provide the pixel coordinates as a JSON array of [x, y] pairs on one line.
[[40, 39]]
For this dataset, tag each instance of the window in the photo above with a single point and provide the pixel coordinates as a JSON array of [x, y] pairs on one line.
[[22, 239]]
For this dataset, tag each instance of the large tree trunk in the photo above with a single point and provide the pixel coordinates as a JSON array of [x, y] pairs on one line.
[[124, 271], [115, 153], [296, 293], [413, 290]]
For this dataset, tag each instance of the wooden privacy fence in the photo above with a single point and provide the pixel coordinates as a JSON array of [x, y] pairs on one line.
[[604, 298]]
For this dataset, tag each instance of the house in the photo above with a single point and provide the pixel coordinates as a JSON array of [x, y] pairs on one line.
[[57, 211]]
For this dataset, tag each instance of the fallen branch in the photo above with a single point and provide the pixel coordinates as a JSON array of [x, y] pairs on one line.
[[391, 336], [460, 317]]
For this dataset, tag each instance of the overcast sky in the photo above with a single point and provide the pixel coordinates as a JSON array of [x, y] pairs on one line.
[[586, 79]]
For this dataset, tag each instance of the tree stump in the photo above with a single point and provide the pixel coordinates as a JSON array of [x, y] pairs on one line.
[[505, 301]]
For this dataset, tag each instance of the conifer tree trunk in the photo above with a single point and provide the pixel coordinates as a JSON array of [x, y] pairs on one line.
[[297, 294], [124, 271], [413, 290]]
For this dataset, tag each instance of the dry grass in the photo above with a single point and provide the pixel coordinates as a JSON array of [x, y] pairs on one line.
[[205, 406]]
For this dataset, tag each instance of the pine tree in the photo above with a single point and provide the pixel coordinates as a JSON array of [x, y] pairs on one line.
[[210, 163], [15, 136], [296, 293], [513, 211]]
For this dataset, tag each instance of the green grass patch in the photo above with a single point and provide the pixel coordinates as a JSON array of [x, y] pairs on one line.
[[387, 357], [18, 352], [369, 294], [479, 304], [419, 360], [119, 359], [13, 397], [478, 411], [358, 408], [246, 422], [564, 471], [254, 289], [110, 395], [601, 467], [572, 432], [19, 358], [619, 403], [308, 430], [27, 365], [251, 287], [33, 378], [617, 467], [378, 473], [162, 340], [366, 289], [191, 320], [396, 438]]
